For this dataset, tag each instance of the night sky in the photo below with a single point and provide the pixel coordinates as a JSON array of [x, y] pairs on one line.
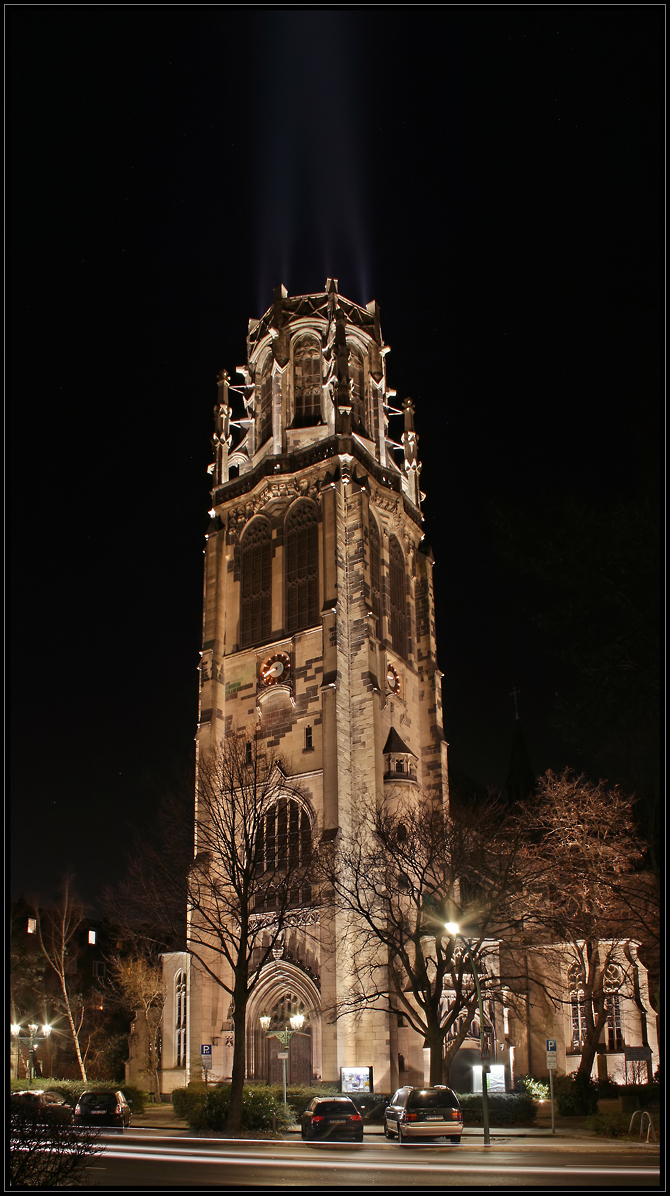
[[491, 176]]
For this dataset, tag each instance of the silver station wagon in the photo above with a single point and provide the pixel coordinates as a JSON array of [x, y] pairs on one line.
[[422, 1113]]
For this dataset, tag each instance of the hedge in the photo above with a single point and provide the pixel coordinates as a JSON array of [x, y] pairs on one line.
[[71, 1090], [209, 1110], [505, 1108]]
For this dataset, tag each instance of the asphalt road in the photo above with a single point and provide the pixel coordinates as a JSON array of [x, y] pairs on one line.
[[135, 1161]]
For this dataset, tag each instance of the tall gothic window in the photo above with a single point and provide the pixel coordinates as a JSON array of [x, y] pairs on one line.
[[614, 1031], [302, 567], [398, 601], [307, 383], [358, 413], [180, 1019], [264, 383], [375, 575], [285, 836], [256, 571]]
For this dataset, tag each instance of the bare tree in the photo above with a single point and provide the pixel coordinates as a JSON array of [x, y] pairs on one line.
[[251, 866], [141, 988], [56, 931], [584, 834], [405, 869]]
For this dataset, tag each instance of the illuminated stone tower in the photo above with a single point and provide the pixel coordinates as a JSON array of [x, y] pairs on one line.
[[318, 631]]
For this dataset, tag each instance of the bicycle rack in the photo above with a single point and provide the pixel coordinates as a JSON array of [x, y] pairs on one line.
[[650, 1128]]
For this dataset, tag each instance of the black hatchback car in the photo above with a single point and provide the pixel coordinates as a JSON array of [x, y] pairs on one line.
[[102, 1107], [332, 1118], [417, 1114]]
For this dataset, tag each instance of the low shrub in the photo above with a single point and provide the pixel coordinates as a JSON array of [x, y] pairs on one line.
[[609, 1125], [535, 1088], [607, 1089], [639, 1096], [71, 1090], [46, 1153], [575, 1095], [505, 1108], [186, 1103], [299, 1096], [209, 1111]]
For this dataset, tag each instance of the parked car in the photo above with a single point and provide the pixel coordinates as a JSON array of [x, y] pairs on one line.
[[50, 1104], [422, 1113], [99, 1106], [332, 1118]]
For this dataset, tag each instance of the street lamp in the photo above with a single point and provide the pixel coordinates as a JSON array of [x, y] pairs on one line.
[[284, 1037], [454, 930], [31, 1038]]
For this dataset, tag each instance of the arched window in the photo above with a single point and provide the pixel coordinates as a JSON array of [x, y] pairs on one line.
[[264, 385], [180, 1019], [301, 545], [375, 575], [285, 837], [358, 413], [307, 383], [398, 601], [256, 574], [578, 1006]]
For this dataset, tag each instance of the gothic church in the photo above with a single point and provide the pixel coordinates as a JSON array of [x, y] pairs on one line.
[[318, 634]]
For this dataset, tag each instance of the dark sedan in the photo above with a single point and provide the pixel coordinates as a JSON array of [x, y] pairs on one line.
[[333, 1119], [45, 1105], [102, 1107]]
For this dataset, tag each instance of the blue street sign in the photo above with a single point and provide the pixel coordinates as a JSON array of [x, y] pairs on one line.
[[551, 1044], [206, 1055]]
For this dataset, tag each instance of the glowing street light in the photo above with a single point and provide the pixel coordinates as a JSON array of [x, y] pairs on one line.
[[31, 1038], [454, 931], [284, 1036]]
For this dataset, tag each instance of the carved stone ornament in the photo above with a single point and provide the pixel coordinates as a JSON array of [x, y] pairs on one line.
[[295, 918], [282, 488]]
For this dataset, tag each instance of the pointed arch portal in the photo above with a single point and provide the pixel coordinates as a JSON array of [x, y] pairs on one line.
[[283, 990]]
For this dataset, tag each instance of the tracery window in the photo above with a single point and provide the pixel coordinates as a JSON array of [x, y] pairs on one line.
[[375, 575], [256, 578], [285, 836], [577, 1006], [398, 601], [265, 401], [358, 413], [307, 383], [302, 566], [180, 1019], [612, 982]]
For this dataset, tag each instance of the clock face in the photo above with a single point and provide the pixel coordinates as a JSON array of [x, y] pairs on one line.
[[392, 680], [275, 668]]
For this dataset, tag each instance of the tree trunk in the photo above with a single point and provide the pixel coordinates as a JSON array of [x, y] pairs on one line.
[[234, 1119], [435, 1041], [73, 1028]]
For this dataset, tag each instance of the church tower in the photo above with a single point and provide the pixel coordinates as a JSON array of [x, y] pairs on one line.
[[318, 632]]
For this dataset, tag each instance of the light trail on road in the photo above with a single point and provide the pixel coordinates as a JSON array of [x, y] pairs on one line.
[[228, 1156]]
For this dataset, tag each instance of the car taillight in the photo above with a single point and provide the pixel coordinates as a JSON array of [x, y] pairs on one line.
[[455, 1114], [77, 1107], [409, 1117], [317, 1118], [355, 1117], [118, 1109]]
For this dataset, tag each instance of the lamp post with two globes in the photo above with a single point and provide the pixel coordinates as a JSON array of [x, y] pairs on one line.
[[31, 1038], [454, 931], [284, 1037]]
